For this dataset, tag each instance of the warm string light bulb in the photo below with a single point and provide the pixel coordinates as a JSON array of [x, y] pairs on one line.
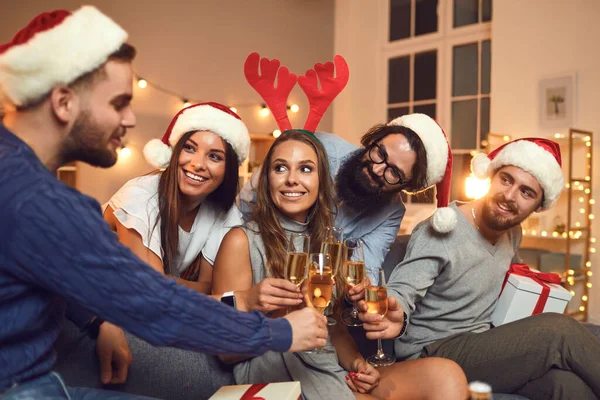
[[276, 133], [233, 109], [142, 83], [294, 108], [264, 111], [186, 103]]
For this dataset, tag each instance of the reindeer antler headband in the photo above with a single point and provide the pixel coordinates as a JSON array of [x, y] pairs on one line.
[[275, 96]]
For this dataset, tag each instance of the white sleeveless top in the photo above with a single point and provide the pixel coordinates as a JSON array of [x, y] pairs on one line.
[[135, 206]]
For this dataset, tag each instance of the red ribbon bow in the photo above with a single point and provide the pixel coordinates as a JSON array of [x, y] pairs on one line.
[[538, 277], [252, 390]]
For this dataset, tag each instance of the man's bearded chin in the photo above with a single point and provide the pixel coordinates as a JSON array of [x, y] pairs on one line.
[[88, 143], [355, 189], [497, 222]]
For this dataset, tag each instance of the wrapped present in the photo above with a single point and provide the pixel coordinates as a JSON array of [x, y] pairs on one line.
[[526, 292], [260, 391]]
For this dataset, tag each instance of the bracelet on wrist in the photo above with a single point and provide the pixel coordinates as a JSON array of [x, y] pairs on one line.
[[404, 326]]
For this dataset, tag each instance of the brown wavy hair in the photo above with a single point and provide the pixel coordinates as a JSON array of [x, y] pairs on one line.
[[266, 215], [170, 202]]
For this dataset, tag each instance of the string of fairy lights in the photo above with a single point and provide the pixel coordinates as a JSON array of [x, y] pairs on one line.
[[186, 101]]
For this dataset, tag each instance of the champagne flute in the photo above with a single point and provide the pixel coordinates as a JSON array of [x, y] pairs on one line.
[[320, 286], [296, 266], [332, 245], [376, 298], [353, 272]]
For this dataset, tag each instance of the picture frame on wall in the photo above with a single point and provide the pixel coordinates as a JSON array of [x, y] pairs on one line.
[[557, 102]]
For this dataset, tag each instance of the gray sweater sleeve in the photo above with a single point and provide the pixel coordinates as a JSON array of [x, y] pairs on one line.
[[425, 259]]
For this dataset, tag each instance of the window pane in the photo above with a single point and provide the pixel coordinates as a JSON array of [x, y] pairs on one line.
[[396, 112], [464, 124], [461, 168], [425, 75], [486, 64], [484, 119], [466, 12], [464, 70], [398, 85], [428, 109], [486, 10], [399, 19], [426, 17]]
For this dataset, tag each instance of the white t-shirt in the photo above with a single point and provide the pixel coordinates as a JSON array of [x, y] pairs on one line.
[[135, 206]]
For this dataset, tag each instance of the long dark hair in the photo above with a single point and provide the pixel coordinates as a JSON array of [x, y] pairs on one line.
[[170, 198], [266, 215]]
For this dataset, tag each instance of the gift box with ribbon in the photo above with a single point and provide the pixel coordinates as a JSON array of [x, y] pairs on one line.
[[260, 391], [526, 293]]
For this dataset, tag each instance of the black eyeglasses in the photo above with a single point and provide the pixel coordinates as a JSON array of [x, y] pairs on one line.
[[390, 174]]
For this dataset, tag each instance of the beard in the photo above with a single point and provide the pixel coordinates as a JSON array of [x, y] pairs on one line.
[[355, 188], [499, 222], [88, 142]]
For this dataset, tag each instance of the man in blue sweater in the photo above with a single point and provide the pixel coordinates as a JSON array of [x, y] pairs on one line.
[[66, 85]]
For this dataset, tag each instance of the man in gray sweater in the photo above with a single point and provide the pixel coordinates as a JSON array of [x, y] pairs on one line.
[[444, 292]]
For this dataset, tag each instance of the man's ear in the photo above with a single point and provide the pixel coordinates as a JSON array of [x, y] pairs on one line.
[[64, 102]]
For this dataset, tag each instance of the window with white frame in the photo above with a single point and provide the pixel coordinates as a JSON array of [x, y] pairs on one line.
[[438, 62]]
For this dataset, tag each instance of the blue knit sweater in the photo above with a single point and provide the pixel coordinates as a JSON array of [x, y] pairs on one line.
[[55, 246]]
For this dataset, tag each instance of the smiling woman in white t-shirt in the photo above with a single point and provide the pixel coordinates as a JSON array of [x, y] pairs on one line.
[[175, 218]]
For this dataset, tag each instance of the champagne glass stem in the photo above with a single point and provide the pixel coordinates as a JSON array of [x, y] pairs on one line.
[[379, 349]]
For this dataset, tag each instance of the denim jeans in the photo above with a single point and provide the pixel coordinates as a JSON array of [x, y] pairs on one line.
[[52, 387]]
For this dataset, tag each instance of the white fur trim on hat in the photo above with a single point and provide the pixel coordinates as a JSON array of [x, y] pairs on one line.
[[444, 220], [157, 153], [480, 165], [538, 162], [434, 141], [79, 44], [208, 118]]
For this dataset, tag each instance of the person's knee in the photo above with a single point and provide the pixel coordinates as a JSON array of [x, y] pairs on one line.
[[557, 323], [447, 377]]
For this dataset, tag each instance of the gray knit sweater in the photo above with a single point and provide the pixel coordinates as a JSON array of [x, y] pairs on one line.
[[449, 283]]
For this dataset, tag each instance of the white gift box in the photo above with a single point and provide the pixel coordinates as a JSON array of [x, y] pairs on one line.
[[273, 391], [521, 294]]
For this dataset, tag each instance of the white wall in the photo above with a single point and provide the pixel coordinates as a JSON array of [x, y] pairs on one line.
[[356, 37], [197, 49], [534, 40]]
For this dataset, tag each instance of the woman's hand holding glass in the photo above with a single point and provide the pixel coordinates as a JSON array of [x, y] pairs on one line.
[[271, 294]]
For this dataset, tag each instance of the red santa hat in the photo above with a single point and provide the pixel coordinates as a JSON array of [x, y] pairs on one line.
[[439, 164], [56, 48], [539, 157], [212, 117]]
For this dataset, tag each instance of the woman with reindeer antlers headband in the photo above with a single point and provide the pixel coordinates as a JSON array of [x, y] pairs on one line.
[[295, 195]]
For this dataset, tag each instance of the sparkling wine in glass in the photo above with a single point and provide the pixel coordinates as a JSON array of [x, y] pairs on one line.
[[353, 273], [320, 286], [376, 299], [332, 245], [296, 265]]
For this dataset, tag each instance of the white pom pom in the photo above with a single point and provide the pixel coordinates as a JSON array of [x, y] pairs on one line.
[[480, 165], [157, 153], [443, 220]]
